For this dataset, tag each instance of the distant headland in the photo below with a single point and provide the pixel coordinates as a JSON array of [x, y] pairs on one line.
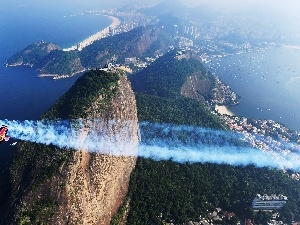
[[53, 61]]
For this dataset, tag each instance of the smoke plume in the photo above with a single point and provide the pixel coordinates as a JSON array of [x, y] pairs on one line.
[[158, 141]]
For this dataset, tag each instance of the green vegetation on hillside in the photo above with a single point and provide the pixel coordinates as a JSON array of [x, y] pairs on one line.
[[183, 192], [74, 103], [176, 111], [102, 51], [50, 59], [165, 191], [138, 42], [166, 75], [60, 62], [33, 53], [34, 164]]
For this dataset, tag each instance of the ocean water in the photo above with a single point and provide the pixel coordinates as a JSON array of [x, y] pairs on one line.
[[23, 94], [268, 82]]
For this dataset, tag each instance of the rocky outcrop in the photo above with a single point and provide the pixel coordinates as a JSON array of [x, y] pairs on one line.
[[48, 58], [86, 186], [148, 39], [32, 54], [60, 63], [97, 183], [195, 87], [138, 42]]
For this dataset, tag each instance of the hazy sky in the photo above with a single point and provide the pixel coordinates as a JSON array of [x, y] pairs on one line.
[[278, 8], [280, 5], [233, 5], [286, 10]]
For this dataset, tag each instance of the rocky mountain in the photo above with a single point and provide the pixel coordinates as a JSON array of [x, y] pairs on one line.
[[32, 54], [49, 59], [52, 185], [60, 63], [165, 7], [139, 42], [181, 10], [166, 192], [177, 72]]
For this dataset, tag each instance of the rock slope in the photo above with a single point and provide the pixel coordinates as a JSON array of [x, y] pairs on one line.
[[60, 186]]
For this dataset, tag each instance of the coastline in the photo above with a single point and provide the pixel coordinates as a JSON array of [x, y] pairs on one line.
[[101, 34], [223, 110], [57, 76], [97, 36]]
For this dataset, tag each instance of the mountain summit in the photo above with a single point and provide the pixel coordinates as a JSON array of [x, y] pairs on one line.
[[64, 186]]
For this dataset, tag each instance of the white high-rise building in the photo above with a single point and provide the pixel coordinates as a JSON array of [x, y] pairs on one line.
[[268, 202], [111, 31], [175, 30]]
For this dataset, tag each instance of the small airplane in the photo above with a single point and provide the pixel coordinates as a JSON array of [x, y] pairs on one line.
[[3, 134]]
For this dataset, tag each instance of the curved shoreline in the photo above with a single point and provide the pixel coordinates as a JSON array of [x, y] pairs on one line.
[[60, 76], [222, 109], [97, 36]]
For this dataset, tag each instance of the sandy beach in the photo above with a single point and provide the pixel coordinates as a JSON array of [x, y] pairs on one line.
[[222, 109], [101, 34]]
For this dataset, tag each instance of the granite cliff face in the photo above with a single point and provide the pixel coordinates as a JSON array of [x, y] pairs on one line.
[[60, 186], [195, 87]]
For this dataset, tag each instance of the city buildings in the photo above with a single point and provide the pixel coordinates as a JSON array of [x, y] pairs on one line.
[[268, 202]]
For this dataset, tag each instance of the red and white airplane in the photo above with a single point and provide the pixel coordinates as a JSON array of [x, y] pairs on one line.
[[3, 134]]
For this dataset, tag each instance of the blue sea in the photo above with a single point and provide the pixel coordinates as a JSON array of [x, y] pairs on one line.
[[268, 82], [24, 96]]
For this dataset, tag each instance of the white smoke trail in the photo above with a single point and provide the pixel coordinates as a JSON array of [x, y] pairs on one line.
[[89, 135], [195, 144], [158, 141]]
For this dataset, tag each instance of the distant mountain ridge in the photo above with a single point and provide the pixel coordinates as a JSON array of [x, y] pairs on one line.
[[176, 7], [167, 6]]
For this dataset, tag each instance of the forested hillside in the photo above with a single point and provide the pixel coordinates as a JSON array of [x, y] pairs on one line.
[[139, 42], [47, 184], [166, 191], [183, 192], [166, 76], [50, 59]]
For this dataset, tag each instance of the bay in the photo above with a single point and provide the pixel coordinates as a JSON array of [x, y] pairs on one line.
[[268, 82], [24, 96]]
